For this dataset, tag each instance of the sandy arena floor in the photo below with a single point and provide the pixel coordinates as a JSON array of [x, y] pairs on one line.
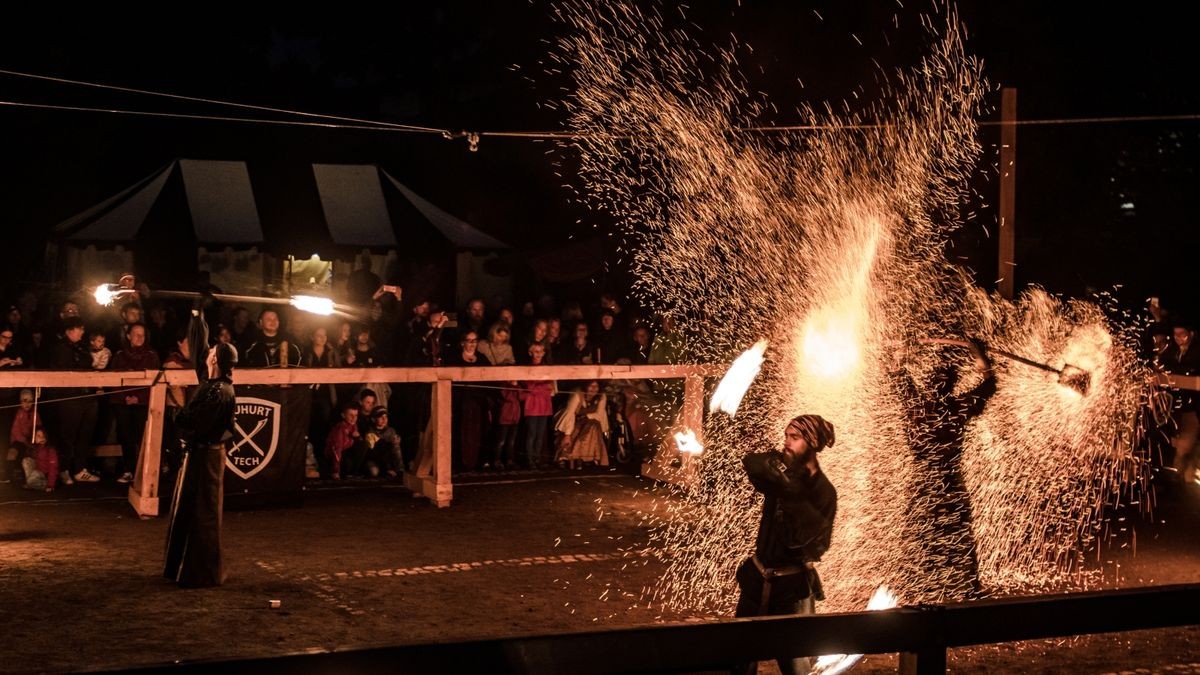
[[369, 565]]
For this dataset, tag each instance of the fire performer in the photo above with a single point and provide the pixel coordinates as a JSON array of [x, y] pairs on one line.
[[205, 425], [794, 530], [937, 420]]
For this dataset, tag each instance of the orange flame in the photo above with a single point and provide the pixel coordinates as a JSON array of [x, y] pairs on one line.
[[729, 393]]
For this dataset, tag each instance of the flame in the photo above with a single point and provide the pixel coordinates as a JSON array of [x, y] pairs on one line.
[[831, 664], [687, 442], [106, 294], [831, 345], [313, 304], [737, 380]]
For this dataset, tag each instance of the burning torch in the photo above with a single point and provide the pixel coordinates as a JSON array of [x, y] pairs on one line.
[[1069, 376], [106, 294]]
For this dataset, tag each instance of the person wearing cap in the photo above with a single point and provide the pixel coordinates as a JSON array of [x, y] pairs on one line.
[[383, 443], [1183, 358], [795, 528], [205, 424]]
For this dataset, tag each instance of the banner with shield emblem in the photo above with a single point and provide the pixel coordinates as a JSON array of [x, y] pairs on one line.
[[264, 461]]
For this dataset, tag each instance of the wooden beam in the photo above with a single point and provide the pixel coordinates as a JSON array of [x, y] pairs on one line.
[[443, 426], [72, 378], [1008, 191], [143, 492]]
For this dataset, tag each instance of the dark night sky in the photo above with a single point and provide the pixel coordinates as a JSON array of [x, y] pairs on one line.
[[448, 64]]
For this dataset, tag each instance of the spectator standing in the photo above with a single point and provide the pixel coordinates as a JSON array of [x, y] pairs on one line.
[[469, 403], [75, 412], [241, 331], [537, 406], [272, 348], [1183, 358], [99, 351], [610, 341], [131, 407]]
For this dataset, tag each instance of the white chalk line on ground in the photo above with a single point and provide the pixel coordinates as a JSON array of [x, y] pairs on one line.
[[387, 486], [528, 561], [324, 592]]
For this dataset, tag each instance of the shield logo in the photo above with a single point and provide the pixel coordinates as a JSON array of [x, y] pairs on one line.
[[255, 436]]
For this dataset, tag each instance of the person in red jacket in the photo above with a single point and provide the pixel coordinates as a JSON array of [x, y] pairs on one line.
[[537, 400], [41, 465], [344, 447]]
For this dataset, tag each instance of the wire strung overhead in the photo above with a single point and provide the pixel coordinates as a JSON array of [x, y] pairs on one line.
[[472, 137]]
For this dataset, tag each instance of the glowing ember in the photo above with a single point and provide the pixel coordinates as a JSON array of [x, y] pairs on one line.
[[831, 664], [687, 443], [313, 304], [729, 393], [106, 294]]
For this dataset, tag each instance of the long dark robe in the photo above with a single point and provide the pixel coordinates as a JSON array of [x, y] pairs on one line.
[[941, 527], [193, 555]]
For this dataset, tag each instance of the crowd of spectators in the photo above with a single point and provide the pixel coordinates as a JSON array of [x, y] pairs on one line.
[[356, 429]]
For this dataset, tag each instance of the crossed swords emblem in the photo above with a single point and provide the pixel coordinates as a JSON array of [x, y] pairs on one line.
[[248, 438]]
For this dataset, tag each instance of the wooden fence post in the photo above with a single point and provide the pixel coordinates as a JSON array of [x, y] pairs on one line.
[[443, 488], [143, 492]]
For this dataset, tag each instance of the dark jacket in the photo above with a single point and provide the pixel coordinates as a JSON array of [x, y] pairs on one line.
[[796, 525]]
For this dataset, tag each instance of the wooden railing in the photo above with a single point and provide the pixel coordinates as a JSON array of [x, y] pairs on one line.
[[921, 635], [432, 476]]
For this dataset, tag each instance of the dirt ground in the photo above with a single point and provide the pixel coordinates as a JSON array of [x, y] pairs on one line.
[[369, 565]]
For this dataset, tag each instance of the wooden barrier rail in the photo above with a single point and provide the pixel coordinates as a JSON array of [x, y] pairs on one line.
[[920, 635], [432, 477]]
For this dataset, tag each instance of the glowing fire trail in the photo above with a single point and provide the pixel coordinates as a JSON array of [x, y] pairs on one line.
[[729, 393], [832, 664], [106, 294]]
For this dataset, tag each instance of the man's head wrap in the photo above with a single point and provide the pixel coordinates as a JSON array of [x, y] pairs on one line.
[[817, 432]]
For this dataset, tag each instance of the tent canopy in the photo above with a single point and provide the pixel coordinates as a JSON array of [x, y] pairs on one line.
[[223, 207]]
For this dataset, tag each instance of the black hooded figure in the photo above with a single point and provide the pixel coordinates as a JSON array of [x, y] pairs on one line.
[[205, 424], [941, 508], [794, 531]]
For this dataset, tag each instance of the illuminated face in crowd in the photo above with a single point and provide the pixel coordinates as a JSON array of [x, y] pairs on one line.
[[269, 322], [137, 336], [506, 316], [1183, 337], [593, 389], [470, 341], [606, 321], [74, 334], [642, 337], [501, 337], [69, 309], [537, 352], [475, 311], [132, 314], [554, 329], [539, 331], [320, 337]]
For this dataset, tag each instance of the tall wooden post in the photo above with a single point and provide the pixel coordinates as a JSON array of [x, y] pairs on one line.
[[1008, 190], [443, 487], [143, 492]]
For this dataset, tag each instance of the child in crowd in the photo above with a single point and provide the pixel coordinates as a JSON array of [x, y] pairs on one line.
[[343, 447], [384, 445], [506, 426], [538, 402], [41, 464], [101, 355], [20, 437]]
